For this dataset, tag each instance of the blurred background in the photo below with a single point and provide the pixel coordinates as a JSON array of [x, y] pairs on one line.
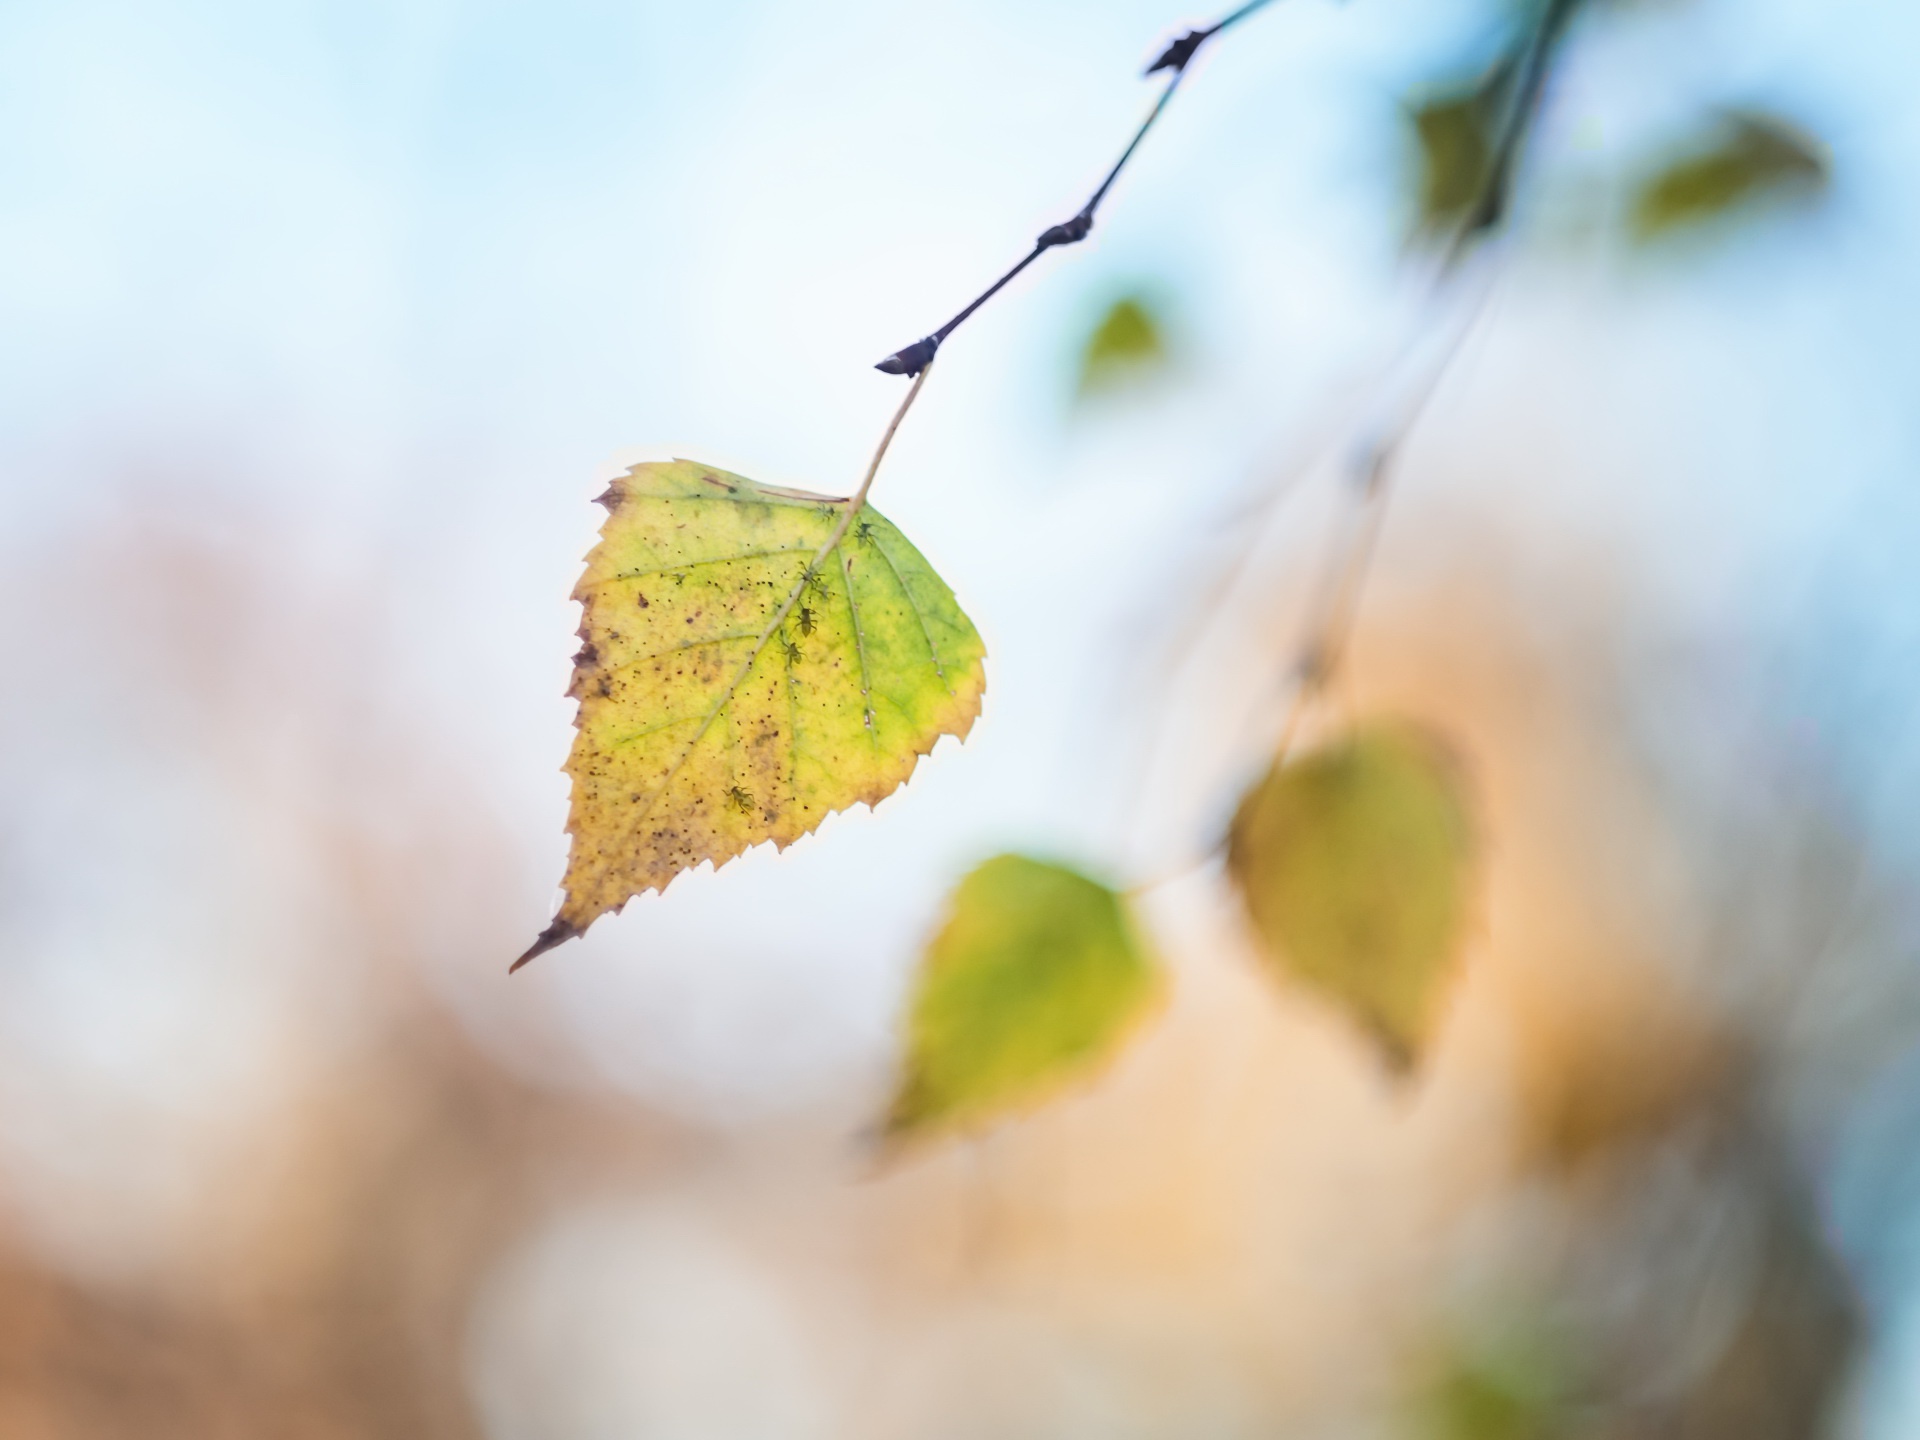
[[321, 324]]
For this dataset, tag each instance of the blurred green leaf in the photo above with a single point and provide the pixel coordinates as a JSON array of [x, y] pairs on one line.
[[1127, 345], [1745, 158], [1512, 1395], [1355, 863], [1455, 132], [1033, 982]]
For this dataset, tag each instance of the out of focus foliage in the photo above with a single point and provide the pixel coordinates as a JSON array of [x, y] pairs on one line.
[[1355, 863], [1745, 158], [739, 682], [1514, 1393], [1127, 346], [1034, 981], [1455, 130], [1685, 1270]]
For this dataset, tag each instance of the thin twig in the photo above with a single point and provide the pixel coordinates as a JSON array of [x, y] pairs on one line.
[[1331, 618], [1247, 529], [1368, 473], [1335, 597], [1529, 63], [1523, 105], [914, 358]]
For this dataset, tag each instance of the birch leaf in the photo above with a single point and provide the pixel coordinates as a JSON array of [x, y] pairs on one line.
[[1748, 158], [1128, 344], [1455, 134], [738, 682], [1034, 981], [1355, 864], [1456, 131]]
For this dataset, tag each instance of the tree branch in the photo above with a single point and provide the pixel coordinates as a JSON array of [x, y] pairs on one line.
[[1535, 63], [1366, 473], [914, 358], [1370, 469]]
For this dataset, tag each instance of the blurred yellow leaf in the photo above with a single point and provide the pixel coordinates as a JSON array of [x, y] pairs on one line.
[[1457, 132], [1355, 863], [738, 683], [1128, 344], [1034, 981], [1746, 158]]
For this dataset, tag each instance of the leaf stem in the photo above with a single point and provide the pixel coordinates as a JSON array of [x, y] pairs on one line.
[[859, 497], [913, 359]]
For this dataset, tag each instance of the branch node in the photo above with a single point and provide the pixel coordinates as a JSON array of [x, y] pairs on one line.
[[1177, 54], [912, 360], [917, 356], [1072, 232]]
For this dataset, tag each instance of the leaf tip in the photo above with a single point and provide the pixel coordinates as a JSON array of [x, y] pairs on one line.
[[1399, 1054], [556, 934]]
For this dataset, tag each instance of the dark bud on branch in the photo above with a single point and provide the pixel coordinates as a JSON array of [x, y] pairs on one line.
[[917, 356], [1176, 55], [1070, 233], [910, 361]]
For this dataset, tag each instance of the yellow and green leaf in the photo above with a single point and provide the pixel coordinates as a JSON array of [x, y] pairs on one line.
[[1456, 131], [1128, 344], [1746, 158], [743, 675], [1034, 981], [1355, 863]]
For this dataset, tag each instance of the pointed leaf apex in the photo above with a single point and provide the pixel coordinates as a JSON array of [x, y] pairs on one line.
[[556, 934]]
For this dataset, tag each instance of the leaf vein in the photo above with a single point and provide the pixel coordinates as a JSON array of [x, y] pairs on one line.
[[860, 647], [726, 696], [696, 565], [933, 651], [793, 735], [650, 730], [758, 496], [678, 649]]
